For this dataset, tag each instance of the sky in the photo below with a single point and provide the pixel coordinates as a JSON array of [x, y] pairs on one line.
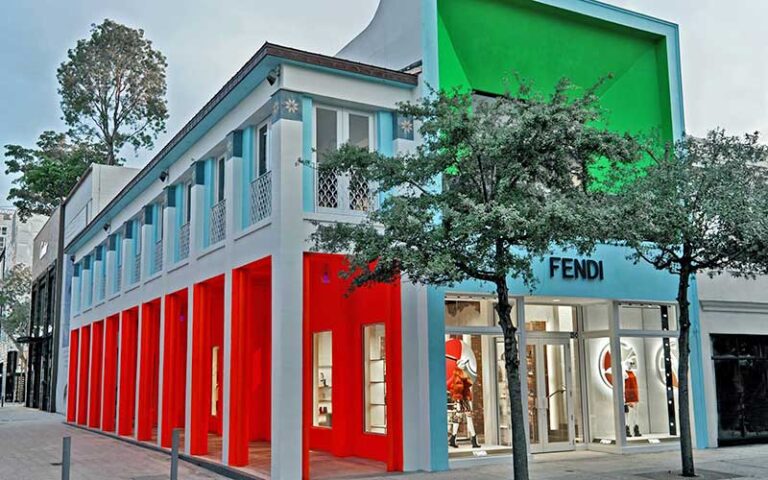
[[724, 48]]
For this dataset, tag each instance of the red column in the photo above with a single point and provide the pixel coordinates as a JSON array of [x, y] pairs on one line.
[[128, 347], [174, 365], [201, 374], [97, 347], [110, 373], [238, 428], [74, 338], [148, 376], [85, 357]]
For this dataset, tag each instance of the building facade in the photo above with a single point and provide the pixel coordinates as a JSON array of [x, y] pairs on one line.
[[196, 303]]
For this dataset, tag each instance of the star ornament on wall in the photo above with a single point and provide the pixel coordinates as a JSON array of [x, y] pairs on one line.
[[406, 125], [291, 106]]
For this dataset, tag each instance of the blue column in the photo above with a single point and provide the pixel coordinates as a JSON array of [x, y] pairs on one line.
[[307, 173], [697, 370]]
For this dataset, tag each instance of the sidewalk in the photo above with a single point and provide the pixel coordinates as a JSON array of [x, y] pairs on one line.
[[713, 464], [30, 445]]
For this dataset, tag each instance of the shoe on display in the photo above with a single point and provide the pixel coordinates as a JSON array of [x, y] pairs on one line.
[[637, 431], [474, 442], [629, 434], [452, 442]]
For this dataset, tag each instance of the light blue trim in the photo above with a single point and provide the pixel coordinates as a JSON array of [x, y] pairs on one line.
[[385, 144], [438, 415], [697, 370], [430, 61], [180, 192], [118, 262], [103, 273], [307, 173], [638, 21], [248, 175], [207, 201]]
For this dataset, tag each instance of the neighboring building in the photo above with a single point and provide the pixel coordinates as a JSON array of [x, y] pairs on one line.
[[98, 185], [196, 303], [6, 224], [22, 236]]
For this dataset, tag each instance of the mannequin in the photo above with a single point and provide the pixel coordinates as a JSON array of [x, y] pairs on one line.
[[631, 394], [461, 373]]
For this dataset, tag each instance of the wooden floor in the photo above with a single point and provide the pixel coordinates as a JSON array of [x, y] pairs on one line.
[[321, 465]]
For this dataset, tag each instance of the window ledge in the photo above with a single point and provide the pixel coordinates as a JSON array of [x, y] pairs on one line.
[[341, 216], [153, 277], [253, 228], [212, 248], [179, 265], [114, 296], [133, 287]]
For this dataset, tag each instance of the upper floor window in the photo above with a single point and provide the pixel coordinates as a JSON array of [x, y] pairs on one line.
[[335, 127], [188, 202], [4, 230], [262, 165], [218, 184]]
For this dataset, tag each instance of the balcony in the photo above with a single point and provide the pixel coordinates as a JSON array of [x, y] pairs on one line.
[[136, 268], [184, 241], [218, 222], [346, 192], [118, 279], [261, 198]]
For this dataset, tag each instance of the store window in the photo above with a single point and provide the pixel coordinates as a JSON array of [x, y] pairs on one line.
[[646, 317], [597, 316], [550, 318], [600, 405], [374, 350], [469, 313], [322, 351]]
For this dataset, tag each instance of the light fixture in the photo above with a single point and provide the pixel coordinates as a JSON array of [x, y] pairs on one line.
[[273, 75], [107, 226], [556, 300], [163, 175]]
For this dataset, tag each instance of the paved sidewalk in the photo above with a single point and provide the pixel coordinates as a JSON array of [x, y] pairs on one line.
[[30, 443], [713, 464]]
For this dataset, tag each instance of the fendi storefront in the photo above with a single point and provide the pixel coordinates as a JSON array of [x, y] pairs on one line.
[[579, 393]]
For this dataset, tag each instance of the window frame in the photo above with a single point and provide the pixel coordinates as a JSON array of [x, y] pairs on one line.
[[258, 150]]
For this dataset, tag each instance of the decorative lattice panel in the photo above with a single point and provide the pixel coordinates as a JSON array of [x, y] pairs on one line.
[[327, 189], [261, 198], [359, 193], [184, 241], [158, 257], [102, 288], [137, 268], [218, 222], [118, 278]]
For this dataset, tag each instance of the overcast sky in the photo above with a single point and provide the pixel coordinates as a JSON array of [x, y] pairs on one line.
[[724, 50]]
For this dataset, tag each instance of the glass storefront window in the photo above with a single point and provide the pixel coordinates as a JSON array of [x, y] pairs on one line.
[[550, 318], [599, 391], [322, 344], [647, 317], [597, 316], [469, 313], [374, 350]]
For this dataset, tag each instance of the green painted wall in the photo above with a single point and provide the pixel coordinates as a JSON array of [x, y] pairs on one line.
[[484, 44]]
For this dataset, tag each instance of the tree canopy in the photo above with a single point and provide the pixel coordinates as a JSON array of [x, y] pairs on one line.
[[495, 184], [112, 88], [15, 305], [46, 174]]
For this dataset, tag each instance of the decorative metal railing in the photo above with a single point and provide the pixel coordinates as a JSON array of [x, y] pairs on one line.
[[347, 191], [137, 268], [118, 279], [218, 222], [261, 198], [184, 241], [101, 288], [157, 258]]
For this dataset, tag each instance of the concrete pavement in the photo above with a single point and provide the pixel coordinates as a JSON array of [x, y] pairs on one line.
[[30, 449]]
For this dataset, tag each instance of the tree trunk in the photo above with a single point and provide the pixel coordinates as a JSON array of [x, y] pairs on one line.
[[686, 445], [512, 364]]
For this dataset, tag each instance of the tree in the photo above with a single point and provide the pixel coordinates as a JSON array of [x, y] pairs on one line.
[[495, 184], [112, 89], [48, 172], [700, 207], [15, 305]]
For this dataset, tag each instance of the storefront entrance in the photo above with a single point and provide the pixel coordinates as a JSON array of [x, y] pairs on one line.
[[550, 394]]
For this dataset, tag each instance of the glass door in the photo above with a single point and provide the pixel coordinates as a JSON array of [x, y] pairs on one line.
[[550, 403]]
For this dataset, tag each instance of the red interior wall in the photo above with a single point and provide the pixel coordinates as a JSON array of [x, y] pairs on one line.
[[250, 397], [97, 348], [174, 365], [128, 357], [150, 370], [110, 373], [207, 332], [327, 307], [85, 357], [74, 337]]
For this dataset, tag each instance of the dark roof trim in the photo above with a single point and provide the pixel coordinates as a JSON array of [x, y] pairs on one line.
[[278, 52]]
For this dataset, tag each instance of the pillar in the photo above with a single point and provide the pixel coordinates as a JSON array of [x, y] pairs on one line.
[[72, 381], [127, 376], [111, 329], [149, 355], [85, 357], [97, 348]]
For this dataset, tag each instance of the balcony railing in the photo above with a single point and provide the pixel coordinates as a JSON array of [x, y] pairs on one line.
[[345, 192], [158, 256], [118, 279], [102, 288], [137, 268], [261, 198], [218, 222], [184, 241]]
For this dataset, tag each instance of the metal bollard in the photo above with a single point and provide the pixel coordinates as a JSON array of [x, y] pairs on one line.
[[175, 454], [66, 449]]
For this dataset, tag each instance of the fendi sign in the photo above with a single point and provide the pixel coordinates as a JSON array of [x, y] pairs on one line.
[[576, 268]]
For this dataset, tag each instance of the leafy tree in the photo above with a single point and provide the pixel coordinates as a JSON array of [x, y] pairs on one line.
[[47, 173], [701, 207], [15, 304], [112, 89], [495, 184]]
